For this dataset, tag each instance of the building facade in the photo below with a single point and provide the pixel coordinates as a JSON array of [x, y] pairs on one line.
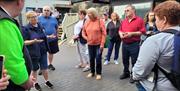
[[142, 6], [63, 6]]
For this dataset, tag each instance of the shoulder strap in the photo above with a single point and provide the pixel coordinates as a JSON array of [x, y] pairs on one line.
[[156, 73], [156, 67], [82, 27], [100, 25], [84, 21], [172, 31]]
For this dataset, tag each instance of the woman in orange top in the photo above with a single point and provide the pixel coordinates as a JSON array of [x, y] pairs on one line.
[[94, 32]]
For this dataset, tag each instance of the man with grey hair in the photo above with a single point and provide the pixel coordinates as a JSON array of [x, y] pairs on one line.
[[17, 62], [50, 25], [130, 31]]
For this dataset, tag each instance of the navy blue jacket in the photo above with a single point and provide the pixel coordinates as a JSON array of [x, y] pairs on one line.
[[29, 33]]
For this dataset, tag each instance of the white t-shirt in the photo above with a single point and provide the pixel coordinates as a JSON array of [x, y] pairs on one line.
[[78, 27], [55, 14]]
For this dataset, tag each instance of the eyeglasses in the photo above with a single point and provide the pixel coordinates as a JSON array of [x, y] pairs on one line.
[[151, 15], [127, 10], [47, 10], [32, 17]]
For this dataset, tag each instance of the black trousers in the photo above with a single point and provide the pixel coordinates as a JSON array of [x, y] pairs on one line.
[[95, 57], [129, 51]]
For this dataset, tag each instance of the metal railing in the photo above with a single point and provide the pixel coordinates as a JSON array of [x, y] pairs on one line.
[[68, 23]]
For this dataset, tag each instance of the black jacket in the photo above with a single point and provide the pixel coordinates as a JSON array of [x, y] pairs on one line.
[[113, 30]]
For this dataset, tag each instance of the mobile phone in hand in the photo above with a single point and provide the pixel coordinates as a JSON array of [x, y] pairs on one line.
[[2, 58]]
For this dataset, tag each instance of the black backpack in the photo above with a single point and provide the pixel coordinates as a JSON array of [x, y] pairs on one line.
[[28, 62], [174, 75], [81, 39]]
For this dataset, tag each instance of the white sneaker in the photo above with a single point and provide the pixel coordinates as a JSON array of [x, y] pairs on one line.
[[116, 62], [106, 62], [87, 68]]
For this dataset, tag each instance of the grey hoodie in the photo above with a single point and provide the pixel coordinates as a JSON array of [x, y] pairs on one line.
[[156, 49]]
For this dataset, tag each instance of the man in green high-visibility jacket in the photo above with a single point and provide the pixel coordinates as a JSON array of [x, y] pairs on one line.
[[12, 45]]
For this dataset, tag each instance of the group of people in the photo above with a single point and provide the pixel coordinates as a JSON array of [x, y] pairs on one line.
[[158, 49], [28, 48], [55, 13], [138, 44], [95, 30], [25, 48]]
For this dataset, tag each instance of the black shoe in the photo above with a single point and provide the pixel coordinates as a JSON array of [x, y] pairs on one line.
[[37, 87], [131, 80], [40, 72], [51, 67], [124, 76], [49, 84]]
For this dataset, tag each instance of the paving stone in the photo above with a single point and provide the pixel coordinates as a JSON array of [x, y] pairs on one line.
[[67, 78]]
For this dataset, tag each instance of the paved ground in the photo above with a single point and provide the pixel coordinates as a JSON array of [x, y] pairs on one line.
[[67, 78]]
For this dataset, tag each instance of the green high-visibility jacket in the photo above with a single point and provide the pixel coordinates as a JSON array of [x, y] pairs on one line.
[[11, 45]]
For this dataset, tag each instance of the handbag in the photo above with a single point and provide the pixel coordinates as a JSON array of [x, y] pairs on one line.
[[107, 41]]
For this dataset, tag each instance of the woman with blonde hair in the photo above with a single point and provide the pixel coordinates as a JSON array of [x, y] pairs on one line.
[[94, 32], [36, 42]]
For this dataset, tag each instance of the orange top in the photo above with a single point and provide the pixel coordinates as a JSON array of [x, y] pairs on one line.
[[94, 32]]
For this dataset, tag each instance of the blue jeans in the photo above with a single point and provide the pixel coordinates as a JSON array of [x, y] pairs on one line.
[[129, 51], [117, 44], [95, 56], [140, 87]]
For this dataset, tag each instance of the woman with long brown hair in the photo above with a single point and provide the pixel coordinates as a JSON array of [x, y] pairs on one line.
[[150, 25], [115, 40]]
